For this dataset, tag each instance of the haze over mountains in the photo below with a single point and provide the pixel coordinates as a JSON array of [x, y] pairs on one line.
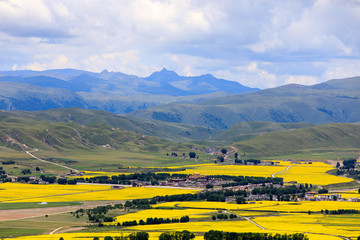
[[111, 91]]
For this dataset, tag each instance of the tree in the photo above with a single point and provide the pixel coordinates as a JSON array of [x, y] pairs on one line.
[[359, 190], [127, 205], [236, 155], [96, 238], [165, 236], [142, 236], [213, 217], [240, 200], [61, 238], [108, 238], [37, 169], [62, 181], [221, 158], [192, 154], [337, 165], [209, 185], [223, 151], [323, 190]]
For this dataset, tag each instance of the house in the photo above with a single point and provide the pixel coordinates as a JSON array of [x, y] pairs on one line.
[[310, 195], [353, 199]]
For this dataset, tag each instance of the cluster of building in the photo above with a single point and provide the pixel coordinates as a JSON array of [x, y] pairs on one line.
[[314, 196]]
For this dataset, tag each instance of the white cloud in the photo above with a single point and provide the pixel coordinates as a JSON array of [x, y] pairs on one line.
[[343, 68], [300, 41], [128, 62], [43, 62]]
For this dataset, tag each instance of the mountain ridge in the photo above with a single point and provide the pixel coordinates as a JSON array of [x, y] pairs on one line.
[[104, 90], [315, 104]]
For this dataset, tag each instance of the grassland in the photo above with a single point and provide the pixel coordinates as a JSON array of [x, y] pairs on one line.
[[335, 137], [30, 205]]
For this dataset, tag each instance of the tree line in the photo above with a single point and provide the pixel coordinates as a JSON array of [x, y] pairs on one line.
[[151, 221], [340, 211], [154, 178]]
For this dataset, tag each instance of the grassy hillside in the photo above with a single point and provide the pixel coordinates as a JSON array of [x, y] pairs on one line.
[[318, 104], [170, 131], [247, 130], [322, 138], [66, 137], [92, 147]]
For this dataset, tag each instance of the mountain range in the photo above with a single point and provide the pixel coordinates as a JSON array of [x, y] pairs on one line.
[[111, 91], [332, 101]]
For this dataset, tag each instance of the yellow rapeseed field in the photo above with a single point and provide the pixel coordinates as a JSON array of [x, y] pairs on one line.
[[218, 205], [314, 223], [16, 192], [305, 206], [232, 170], [314, 173], [227, 226], [164, 213]]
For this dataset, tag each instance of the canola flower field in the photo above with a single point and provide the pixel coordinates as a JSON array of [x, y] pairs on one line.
[[266, 216], [163, 213], [274, 217], [314, 173], [17, 192]]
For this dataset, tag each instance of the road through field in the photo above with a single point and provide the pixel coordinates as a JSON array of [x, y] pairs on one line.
[[42, 160], [274, 174]]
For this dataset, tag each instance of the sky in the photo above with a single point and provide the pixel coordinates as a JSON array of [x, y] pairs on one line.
[[259, 43]]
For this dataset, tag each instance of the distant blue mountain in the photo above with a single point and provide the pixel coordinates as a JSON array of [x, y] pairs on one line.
[[164, 82], [197, 85], [113, 91]]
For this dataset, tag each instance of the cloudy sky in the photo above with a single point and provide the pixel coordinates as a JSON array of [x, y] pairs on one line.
[[259, 43]]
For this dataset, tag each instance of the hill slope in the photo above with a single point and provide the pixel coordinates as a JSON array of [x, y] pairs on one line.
[[333, 101], [170, 131], [69, 136], [247, 130], [323, 137]]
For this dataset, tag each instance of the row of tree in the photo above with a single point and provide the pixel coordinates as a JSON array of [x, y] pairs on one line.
[[211, 196], [154, 179], [340, 211], [223, 216], [291, 190], [150, 221]]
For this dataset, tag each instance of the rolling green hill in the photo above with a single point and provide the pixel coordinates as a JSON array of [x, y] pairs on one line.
[[332, 101], [246, 130], [95, 146], [70, 136], [170, 131], [321, 138]]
